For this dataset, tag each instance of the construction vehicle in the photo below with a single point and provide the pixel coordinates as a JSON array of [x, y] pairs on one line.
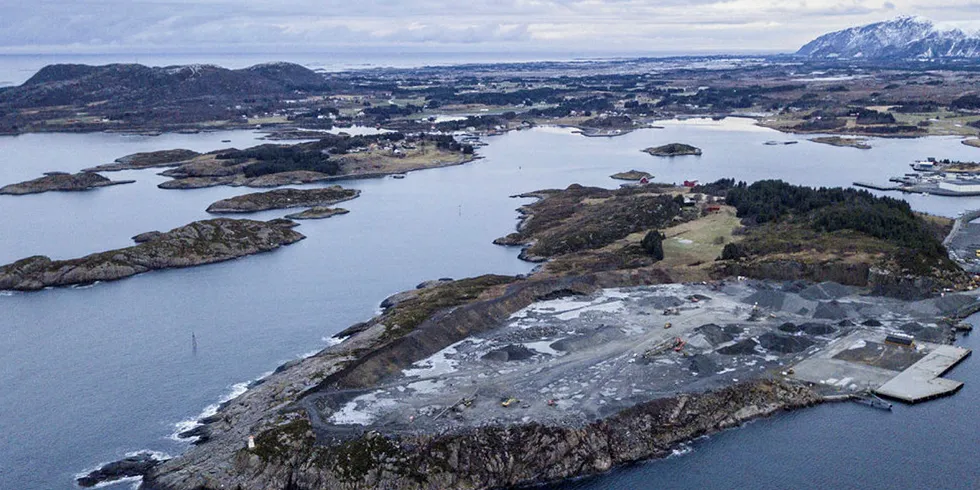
[[508, 402], [679, 344], [667, 325]]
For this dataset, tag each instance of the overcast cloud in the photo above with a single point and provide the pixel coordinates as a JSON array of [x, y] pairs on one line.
[[101, 26]]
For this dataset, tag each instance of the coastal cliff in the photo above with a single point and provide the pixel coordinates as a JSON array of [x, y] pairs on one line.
[[488, 457]]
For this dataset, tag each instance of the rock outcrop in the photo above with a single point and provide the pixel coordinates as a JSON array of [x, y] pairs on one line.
[[135, 465], [283, 199], [61, 181], [201, 242]]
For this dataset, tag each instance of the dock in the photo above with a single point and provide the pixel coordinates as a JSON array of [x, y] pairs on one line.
[[864, 364], [922, 381], [921, 188], [878, 187]]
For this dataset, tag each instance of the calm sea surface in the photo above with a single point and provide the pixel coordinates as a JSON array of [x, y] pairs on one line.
[[89, 374]]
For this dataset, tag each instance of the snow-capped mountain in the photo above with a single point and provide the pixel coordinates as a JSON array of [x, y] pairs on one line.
[[901, 38]]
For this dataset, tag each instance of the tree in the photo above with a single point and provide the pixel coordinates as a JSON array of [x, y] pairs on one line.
[[732, 251], [653, 244]]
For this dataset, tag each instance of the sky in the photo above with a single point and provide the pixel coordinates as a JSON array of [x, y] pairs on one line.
[[599, 26]]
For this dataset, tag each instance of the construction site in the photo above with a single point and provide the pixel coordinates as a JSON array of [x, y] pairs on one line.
[[574, 359]]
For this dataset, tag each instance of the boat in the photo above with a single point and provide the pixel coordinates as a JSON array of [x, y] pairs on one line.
[[398, 176], [226, 141]]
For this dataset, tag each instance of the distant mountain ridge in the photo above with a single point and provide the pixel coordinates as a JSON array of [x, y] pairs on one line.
[[903, 38], [132, 84]]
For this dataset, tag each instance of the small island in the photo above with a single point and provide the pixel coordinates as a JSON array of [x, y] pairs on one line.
[[317, 212], [332, 157], [859, 143], [61, 181], [673, 150], [284, 199], [201, 242], [632, 175], [152, 159]]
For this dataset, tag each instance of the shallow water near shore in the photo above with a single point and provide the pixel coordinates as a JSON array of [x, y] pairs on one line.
[[90, 374]]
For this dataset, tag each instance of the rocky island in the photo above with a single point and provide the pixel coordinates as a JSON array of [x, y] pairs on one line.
[[201, 242], [859, 143], [644, 348], [284, 199], [673, 150], [61, 181], [631, 175], [317, 212], [140, 161], [331, 157]]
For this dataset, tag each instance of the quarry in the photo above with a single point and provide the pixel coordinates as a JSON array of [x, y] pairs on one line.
[[570, 360]]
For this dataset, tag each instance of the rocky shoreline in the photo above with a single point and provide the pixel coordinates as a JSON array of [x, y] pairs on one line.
[[201, 242], [61, 181], [495, 457]]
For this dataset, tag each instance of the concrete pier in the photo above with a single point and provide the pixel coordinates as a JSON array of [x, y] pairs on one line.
[[921, 381], [863, 361], [879, 187]]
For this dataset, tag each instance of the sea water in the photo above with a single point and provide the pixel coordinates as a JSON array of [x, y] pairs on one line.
[[90, 374]]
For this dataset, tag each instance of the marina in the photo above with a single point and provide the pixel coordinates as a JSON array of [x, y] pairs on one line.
[[940, 178]]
